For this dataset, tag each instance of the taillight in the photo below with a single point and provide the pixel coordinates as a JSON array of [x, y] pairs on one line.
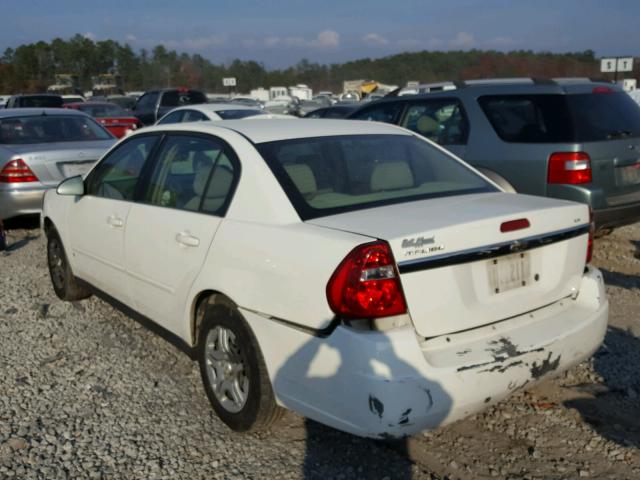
[[592, 230], [16, 171], [569, 167], [366, 284]]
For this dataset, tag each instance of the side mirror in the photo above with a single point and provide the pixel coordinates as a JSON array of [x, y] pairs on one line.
[[71, 186]]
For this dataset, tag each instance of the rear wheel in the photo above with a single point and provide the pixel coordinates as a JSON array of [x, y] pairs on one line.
[[64, 283], [233, 371]]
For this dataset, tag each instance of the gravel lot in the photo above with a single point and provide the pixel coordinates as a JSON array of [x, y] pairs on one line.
[[86, 392]]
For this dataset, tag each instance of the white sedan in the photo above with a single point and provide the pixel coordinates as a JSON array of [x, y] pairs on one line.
[[214, 111], [350, 271]]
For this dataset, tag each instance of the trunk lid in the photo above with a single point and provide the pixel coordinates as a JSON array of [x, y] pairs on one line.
[[452, 255], [53, 162]]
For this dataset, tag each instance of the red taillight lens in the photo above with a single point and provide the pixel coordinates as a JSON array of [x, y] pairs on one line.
[[569, 167], [366, 284], [602, 90], [16, 171], [592, 229], [513, 225]]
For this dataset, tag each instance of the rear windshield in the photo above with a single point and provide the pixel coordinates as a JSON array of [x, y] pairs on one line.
[[102, 111], [237, 114], [52, 128], [178, 98], [329, 175], [571, 118], [44, 101]]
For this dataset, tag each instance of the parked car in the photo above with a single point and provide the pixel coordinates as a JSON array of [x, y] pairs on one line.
[[41, 147], [336, 111], [567, 138], [210, 111], [353, 272], [154, 104], [111, 116], [39, 100], [66, 99], [124, 101]]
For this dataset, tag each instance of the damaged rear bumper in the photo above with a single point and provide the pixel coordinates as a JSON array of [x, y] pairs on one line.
[[391, 385]]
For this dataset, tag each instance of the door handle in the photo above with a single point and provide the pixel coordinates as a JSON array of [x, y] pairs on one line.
[[187, 240], [115, 221]]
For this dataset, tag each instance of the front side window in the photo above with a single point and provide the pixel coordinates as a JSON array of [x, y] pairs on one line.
[[193, 116], [385, 112], [50, 128], [117, 175], [329, 175], [442, 121], [238, 114], [147, 101], [192, 173]]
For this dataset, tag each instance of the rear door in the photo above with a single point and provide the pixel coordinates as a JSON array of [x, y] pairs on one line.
[[98, 219], [169, 232]]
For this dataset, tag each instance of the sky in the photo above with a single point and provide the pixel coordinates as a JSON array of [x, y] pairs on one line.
[[280, 33]]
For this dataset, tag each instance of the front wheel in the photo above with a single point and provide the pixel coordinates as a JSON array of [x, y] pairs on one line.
[[64, 283], [233, 371]]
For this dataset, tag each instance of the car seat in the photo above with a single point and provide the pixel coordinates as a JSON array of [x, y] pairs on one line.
[[391, 176]]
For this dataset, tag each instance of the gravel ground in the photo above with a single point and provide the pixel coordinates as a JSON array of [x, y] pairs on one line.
[[86, 392]]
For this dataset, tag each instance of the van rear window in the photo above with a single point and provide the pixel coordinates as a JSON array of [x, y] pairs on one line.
[[570, 118]]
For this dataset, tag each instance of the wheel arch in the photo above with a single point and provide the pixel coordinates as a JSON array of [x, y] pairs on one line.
[[198, 307]]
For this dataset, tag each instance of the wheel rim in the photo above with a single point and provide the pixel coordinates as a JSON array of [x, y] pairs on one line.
[[56, 263], [226, 369]]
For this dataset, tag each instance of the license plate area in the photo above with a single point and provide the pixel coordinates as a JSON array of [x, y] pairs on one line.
[[509, 272], [628, 175]]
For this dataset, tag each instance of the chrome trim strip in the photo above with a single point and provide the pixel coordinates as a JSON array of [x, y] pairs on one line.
[[492, 251]]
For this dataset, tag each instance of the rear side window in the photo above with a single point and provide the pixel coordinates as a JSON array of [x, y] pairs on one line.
[[385, 112], [442, 121], [328, 175], [562, 118]]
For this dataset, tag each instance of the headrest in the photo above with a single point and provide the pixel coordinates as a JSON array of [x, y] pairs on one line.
[[303, 177], [391, 176], [426, 125]]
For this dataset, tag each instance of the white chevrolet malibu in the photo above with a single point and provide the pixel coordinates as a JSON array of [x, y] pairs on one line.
[[349, 271]]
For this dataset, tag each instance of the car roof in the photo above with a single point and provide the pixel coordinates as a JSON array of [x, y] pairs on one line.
[[215, 107], [285, 129], [28, 112]]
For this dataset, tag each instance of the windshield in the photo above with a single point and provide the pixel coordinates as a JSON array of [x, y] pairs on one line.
[[554, 118], [237, 114], [50, 128], [329, 175], [102, 111]]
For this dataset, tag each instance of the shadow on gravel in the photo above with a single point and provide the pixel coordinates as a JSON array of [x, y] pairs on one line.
[[365, 388], [622, 280], [29, 223], [613, 407]]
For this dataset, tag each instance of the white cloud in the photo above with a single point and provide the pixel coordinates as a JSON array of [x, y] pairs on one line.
[[130, 37], [90, 36], [203, 43], [374, 39], [463, 40], [326, 39]]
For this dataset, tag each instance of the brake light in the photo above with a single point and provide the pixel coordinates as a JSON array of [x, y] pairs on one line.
[[592, 230], [602, 90], [513, 225], [366, 284], [16, 171], [569, 167]]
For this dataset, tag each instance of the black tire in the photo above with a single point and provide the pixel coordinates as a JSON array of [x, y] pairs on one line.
[[260, 410], [64, 282]]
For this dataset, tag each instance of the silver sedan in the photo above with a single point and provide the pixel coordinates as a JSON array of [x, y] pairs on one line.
[[41, 147]]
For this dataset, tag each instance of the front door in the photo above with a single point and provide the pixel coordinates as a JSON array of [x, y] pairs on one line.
[[170, 231], [98, 221]]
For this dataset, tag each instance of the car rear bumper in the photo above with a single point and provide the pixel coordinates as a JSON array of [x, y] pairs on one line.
[[393, 384], [21, 201], [617, 216]]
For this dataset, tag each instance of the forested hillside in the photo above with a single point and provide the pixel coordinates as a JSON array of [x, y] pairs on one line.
[[31, 67]]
